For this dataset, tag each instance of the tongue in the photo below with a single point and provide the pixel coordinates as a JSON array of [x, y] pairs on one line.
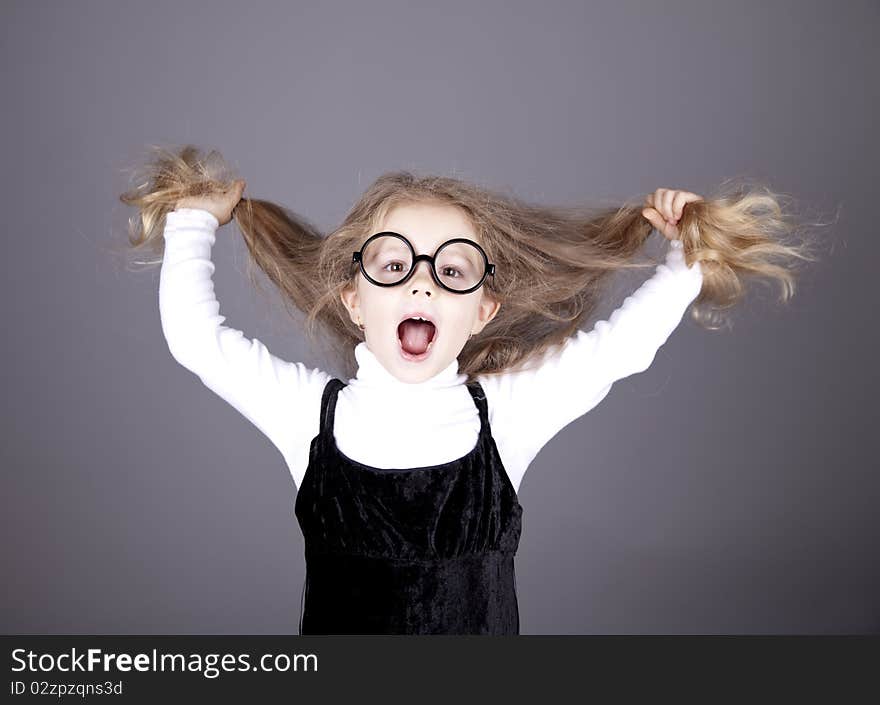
[[415, 336]]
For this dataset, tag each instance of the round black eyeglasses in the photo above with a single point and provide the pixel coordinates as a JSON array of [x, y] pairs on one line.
[[459, 265]]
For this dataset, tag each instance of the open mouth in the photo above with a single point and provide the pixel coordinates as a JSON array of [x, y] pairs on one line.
[[416, 338]]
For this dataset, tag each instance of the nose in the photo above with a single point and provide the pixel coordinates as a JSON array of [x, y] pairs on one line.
[[422, 279]]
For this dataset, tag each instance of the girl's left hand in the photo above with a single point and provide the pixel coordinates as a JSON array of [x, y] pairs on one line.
[[664, 210]]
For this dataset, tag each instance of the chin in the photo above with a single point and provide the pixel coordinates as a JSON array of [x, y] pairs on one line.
[[414, 372]]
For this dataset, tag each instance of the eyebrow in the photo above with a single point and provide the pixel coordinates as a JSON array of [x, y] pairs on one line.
[[452, 237]]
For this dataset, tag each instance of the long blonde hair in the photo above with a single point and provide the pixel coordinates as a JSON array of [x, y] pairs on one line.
[[551, 261]]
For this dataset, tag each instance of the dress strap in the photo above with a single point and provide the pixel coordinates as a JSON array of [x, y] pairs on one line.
[[328, 405], [479, 396]]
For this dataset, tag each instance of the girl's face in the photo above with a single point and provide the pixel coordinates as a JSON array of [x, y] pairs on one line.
[[381, 309]]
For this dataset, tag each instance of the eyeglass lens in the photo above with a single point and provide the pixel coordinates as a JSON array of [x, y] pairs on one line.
[[388, 259]]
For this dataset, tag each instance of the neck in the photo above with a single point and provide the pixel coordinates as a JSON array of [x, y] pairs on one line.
[[372, 374]]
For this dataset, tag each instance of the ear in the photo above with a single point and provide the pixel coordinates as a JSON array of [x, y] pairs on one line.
[[488, 310], [351, 301]]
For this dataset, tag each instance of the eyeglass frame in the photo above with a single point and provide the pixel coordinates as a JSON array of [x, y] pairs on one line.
[[430, 259]]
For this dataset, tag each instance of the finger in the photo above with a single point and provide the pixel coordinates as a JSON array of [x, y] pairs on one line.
[[649, 200], [658, 201], [668, 198], [654, 217], [661, 198], [688, 197], [678, 203]]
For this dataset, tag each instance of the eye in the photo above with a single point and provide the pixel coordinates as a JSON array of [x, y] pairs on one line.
[[452, 269], [401, 264]]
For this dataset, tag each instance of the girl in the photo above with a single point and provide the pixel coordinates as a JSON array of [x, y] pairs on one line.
[[462, 307]]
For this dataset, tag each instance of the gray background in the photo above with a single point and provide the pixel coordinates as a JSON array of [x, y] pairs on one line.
[[730, 488]]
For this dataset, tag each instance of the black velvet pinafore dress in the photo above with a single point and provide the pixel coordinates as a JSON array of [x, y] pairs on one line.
[[426, 550]]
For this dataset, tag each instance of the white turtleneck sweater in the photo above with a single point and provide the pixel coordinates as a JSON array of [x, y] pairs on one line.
[[381, 421]]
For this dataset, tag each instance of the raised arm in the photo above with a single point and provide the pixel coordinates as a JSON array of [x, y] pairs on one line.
[[280, 398], [530, 407]]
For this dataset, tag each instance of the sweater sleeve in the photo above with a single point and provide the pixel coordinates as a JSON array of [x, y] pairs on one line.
[[282, 399], [529, 407]]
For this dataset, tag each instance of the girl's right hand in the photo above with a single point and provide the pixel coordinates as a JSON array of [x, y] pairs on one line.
[[664, 210], [220, 205]]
